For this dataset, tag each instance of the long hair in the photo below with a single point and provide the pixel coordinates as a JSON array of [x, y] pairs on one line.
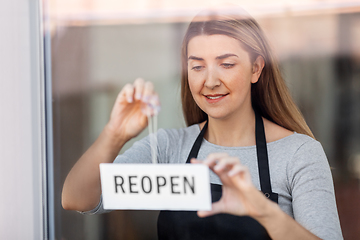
[[269, 95]]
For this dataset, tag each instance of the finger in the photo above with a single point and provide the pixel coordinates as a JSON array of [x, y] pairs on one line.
[[196, 161], [128, 92], [240, 177], [154, 103], [203, 214], [216, 208], [237, 170], [148, 91], [213, 158], [139, 88], [120, 96], [152, 106], [226, 163]]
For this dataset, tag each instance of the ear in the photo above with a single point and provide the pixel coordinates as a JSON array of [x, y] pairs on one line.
[[258, 66]]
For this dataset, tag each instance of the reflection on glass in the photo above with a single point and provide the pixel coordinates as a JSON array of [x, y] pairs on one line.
[[97, 49]]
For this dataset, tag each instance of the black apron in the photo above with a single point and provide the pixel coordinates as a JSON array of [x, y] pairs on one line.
[[186, 225]]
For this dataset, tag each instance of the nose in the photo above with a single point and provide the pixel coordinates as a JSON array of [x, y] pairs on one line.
[[211, 79]]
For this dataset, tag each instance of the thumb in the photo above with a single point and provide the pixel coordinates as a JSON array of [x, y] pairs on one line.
[[216, 208]]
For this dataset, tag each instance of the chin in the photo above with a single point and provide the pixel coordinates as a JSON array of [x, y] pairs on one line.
[[217, 116]]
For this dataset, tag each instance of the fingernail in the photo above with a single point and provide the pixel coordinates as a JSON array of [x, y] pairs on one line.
[[145, 98], [129, 99], [138, 96], [217, 167]]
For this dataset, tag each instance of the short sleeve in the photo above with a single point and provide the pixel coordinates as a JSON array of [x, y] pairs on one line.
[[140, 152], [312, 190], [99, 209]]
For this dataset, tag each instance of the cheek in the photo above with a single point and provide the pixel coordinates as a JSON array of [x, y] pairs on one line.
[[195, 83], [239, 78], [238, 85], [193, 90]]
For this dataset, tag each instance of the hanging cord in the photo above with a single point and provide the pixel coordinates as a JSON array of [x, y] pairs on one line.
[[151, 109]]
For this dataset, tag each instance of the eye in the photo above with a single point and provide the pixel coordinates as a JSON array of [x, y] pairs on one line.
[[228, 65], [197, 68]]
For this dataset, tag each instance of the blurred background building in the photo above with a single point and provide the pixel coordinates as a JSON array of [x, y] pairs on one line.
[[97, 46]]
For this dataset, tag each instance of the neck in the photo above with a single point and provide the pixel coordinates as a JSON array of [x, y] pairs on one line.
[[235, 131]]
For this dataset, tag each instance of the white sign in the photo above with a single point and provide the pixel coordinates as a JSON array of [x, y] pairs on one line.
[[155, 186]]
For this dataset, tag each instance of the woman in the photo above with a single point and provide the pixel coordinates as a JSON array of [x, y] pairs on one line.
[[243, 122]]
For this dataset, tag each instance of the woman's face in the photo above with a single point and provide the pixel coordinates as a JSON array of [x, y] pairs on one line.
[[220, 74]]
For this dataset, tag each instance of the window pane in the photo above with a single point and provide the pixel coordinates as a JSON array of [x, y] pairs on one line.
[[99, 46]]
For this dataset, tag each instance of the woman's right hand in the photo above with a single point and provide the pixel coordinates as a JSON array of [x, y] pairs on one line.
[[128, 118]]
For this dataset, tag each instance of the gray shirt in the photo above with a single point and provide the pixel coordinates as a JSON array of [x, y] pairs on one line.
[[299, 173]]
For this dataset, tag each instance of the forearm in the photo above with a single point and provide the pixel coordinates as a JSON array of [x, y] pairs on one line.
[[280, 226], [82, 188]]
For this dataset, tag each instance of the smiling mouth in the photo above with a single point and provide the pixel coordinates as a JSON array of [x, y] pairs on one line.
[[215, 96]]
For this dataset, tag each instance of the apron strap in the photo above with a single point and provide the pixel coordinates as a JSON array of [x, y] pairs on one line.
[[196, 147], [262, 155]]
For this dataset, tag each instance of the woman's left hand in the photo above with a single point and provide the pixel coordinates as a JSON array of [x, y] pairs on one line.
[[239, 195]]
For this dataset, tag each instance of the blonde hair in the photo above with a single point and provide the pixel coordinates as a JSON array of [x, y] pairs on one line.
[[270, 95]]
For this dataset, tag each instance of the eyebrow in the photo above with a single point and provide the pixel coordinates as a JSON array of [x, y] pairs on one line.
[[196, 58], [218, 57], [226, 56]]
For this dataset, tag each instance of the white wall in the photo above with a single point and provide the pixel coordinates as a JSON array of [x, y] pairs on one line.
[[21, 117]]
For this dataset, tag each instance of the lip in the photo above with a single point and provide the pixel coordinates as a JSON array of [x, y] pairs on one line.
[[216, 97]]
